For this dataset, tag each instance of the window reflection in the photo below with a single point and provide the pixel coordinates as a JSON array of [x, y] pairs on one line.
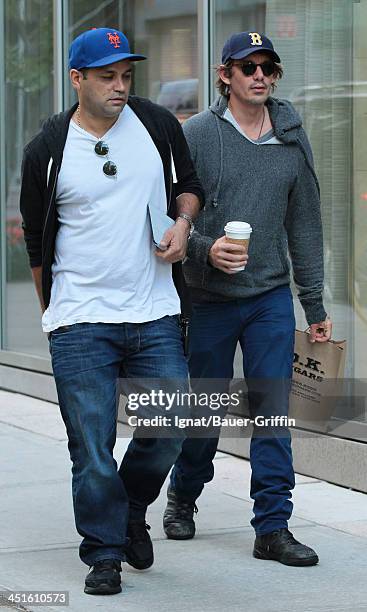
[[28, 102], [166, 32], [323, 50]]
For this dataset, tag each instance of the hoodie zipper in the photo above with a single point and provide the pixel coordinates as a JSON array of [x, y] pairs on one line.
[[49, 206], [170, 178]]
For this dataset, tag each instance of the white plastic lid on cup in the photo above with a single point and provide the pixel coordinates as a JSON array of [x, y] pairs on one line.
[[238, 229]]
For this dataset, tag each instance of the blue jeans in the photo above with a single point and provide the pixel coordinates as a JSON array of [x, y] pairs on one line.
[[264, 325], [88, 359]]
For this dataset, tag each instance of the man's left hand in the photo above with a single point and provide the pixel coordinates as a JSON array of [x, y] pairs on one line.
[[174, 242], [321, 332]]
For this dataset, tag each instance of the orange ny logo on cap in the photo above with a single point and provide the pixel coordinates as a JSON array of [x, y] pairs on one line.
[[114, 39], [256, 38]]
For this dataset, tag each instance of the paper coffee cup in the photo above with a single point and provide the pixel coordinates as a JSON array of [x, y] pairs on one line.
[[238, 232]]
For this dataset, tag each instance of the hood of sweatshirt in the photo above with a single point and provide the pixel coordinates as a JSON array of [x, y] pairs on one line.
[[287, 125], [284, 118], [55, 130]]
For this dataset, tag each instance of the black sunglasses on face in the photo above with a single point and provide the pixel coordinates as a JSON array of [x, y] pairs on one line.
[[109, 167], [249, 68]]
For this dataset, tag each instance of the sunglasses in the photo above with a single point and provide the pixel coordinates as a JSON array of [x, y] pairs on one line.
[[109, 167], [249, 68]]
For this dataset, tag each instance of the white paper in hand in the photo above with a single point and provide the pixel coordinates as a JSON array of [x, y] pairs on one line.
[[160, 223]]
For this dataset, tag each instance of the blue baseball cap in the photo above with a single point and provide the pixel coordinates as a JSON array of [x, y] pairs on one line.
[[100, 47], [243, 44]]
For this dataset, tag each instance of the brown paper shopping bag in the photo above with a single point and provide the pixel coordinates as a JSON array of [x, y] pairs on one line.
[[317, 383]]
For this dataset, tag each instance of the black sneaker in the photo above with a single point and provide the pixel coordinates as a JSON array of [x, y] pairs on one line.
[[104, 578], [139, 553], [178, 518], [281, 546]]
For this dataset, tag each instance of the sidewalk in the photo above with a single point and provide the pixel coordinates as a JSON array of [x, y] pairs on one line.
[[213, 572]]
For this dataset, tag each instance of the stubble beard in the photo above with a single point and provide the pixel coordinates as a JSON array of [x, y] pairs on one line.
[[111, 112], [103, 110], [260, 100]]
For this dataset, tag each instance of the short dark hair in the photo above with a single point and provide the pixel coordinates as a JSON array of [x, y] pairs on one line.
[[84, 72], [222, 86]]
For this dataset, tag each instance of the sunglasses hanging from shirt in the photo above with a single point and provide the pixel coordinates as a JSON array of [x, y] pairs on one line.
[[249, 68], [109, 167], [101, 149]]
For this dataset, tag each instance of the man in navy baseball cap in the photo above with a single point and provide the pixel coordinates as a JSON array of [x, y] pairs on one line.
[[239, 46], [247, 178], [100, 47]]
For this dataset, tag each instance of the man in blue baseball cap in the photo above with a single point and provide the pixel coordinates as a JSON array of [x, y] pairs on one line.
[[255, 164], [100, 47], [111, 301]]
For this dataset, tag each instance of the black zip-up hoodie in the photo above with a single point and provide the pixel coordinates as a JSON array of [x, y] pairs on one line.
[[41, 165]]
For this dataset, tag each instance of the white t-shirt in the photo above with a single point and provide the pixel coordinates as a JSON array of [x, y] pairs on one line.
[[105, 269]]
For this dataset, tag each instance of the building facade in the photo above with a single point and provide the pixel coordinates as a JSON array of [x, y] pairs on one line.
[[323, 46]]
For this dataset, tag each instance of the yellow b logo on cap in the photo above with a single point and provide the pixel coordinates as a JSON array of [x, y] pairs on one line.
[[256, 38]]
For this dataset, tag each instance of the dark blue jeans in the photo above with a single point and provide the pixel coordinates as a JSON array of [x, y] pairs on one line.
[[88, 359], [264, 326]]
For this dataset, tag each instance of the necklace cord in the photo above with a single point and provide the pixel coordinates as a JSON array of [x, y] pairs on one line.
[[262, 123]]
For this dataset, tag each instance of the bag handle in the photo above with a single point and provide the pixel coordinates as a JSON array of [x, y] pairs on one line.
[[336, 342]]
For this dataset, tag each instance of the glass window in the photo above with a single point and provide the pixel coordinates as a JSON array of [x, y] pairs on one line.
[[28, 102], [166, 32], [324, 54], [357, 262]]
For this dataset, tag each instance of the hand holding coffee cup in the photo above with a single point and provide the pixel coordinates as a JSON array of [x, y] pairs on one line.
[[229, 253], [238, 232]]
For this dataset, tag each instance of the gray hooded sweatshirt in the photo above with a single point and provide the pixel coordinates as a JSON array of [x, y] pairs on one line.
[[272, 187]]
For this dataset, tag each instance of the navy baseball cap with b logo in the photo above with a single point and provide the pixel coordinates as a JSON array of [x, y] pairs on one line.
[[100, 47], [239, 46]]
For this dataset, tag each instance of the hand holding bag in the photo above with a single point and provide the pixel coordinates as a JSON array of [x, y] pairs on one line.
[[317, 383]]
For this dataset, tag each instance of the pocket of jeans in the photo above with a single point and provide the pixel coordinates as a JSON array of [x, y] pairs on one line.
[[64, 329], [61, 330], [68, 344], [67, 331], [174, 318]]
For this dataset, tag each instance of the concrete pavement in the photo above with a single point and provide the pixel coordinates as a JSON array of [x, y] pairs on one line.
[[213, 572]]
